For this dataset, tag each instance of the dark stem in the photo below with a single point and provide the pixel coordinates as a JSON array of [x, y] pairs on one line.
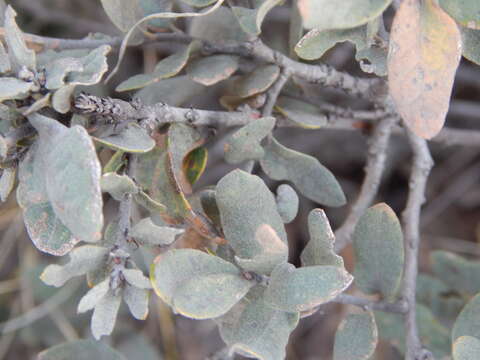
[[125, 208]]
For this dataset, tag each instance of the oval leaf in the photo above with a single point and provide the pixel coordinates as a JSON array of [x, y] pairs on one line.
[[327, 14], [196, 284], [378, 246], [168, 67], [254, 328], [466, 348], [146, 232], [257, 81], [302, 289], [301, 113], [213, 69], [466, 323], [311, 178], [465, 12], [7, 181], [251, 19], [43, 225], [137, 301], [424, 53], [132, 139], [244, 144], [73, 183], [93, 296], [218, 27], [88, 349], [105, 315], [315, 43], [273, 251], [246, 204], [356, 337], [458, 273], [287, 203], [470, 41], [123, 13]]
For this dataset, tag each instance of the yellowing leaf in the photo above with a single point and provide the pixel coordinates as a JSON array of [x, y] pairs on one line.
[[425, 50]]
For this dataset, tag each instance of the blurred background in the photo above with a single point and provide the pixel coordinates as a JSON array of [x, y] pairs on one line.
[[43, 316]]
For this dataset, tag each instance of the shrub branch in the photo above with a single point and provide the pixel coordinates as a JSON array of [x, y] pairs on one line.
[[422, 164], [377, 154]]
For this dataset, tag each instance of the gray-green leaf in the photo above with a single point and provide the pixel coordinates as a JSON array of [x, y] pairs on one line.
[[253, 328], [20, 54], [212, 69], [465, 12], [13, 88], [244, 144], [302, 289], [251, 19], [94, 66], [470, 48], [82, 259], [123, 13], [93, 296], [356, 337], [118, 185], [257, 81], [87, 349], [378, 246], [434, 335], [146, 232], [132, 139], [72, 176], [137, 301], [316, 42], [56, 71], [320, 248], [311, 178], [44, 227], [105, 315], [326, 14], [467, 321], [136, 278], [287, 203], [246, 204], [7, 181], [218, 27], [5, 65], [196, 284], [466, 348], [199, 3], [300, 113], [273, 252], [166, 68], [458, 273]]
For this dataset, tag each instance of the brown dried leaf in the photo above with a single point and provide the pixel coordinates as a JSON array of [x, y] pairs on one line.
[[425, 50]]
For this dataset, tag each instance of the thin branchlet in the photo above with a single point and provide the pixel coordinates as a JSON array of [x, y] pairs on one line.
[[422, 164]]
